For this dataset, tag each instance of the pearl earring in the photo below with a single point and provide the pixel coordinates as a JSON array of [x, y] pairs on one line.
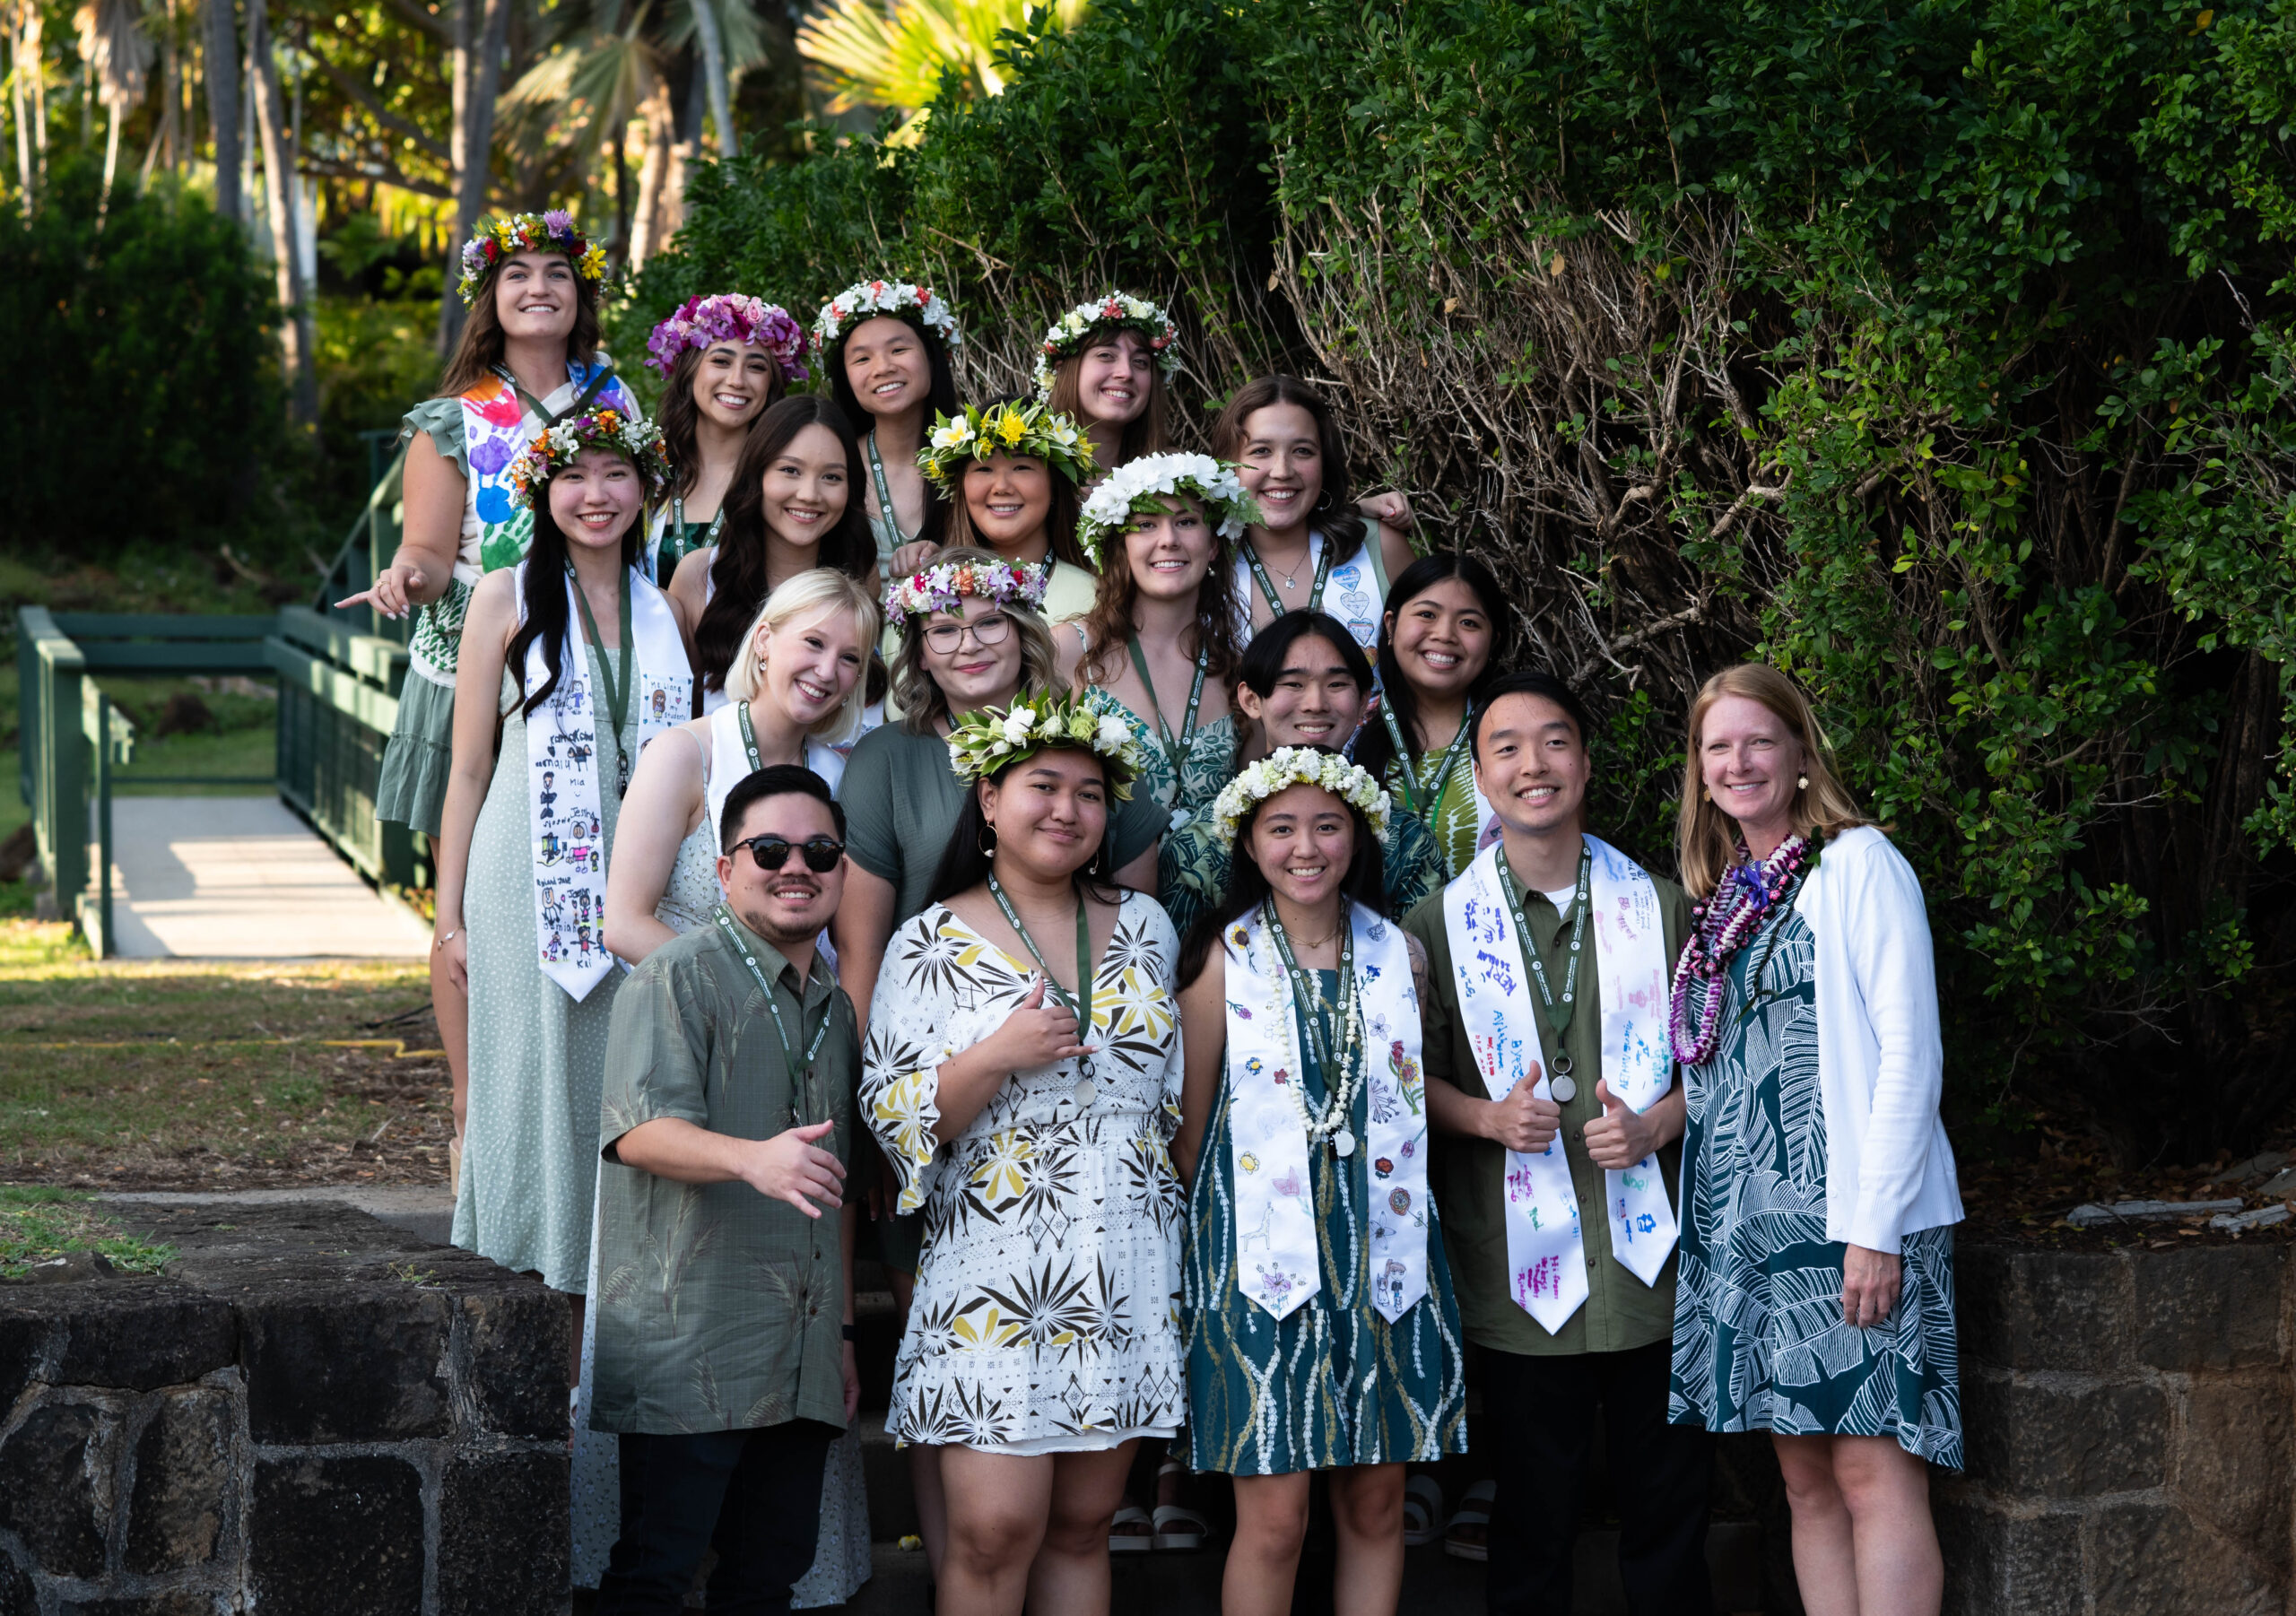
[[1802, 783]]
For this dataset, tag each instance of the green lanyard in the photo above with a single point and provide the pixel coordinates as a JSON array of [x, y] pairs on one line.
[[1558, 1016], [1330, 1047], [549, 418], [1176, 751], [617, 691], [749, 738], [677, 515], [1081, 1002], [1405, 779], [800, 1073], [1267, 588], [884, 493]]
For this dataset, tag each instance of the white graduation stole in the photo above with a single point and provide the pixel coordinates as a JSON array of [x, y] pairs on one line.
[[564, 753], [1546, 1259], [729, 764], [1276, 1235]]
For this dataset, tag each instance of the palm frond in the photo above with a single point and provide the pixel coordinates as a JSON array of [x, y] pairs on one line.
[[112, 41], [867, 55]]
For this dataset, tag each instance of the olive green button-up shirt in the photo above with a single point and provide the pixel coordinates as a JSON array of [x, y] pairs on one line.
[[1468, 1174], [718, 1307]]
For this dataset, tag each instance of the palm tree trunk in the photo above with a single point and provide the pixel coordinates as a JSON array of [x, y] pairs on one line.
[[111, 167], [220, 64], [296, 336], [653, 176], [16, 106], [480, 26], [713, 68]]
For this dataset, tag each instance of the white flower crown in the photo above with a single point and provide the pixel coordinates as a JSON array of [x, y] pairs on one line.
[[1118, 311], [1289, 765], [864, 300], [1139, 485]]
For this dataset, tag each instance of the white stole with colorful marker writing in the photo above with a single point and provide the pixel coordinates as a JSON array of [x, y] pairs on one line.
[[1546, 1259], [564, 752], [1277, 1266]]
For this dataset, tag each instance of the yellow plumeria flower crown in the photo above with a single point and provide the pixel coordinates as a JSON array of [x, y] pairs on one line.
[[1029, 430]]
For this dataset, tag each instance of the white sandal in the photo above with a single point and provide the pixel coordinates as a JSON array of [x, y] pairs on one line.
[[1180, 1530], [1473, 1512], [1422, 1510], [1121, 1542]]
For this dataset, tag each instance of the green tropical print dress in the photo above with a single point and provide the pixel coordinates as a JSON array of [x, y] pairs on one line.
[[1760, 1344], [1192, 869], [1330, 1382], [1458, 818]]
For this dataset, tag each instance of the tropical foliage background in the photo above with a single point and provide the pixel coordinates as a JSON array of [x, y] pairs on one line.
[[1940, 351]]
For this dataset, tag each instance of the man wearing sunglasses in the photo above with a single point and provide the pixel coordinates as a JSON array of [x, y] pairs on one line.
[[724, 1296]]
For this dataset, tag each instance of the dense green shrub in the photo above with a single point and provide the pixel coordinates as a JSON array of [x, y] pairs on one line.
[[151, 409], [1939, 351]]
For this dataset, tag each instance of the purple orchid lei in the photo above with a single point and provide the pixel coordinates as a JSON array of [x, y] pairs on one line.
[[1720, 928]]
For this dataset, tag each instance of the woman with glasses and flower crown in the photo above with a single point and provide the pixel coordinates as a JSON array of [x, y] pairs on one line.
[[1025, 1091], [724, 361], [528, 359], [884, 346], [1011, 472], [1322, 1334], [971, 636], [798, 689], [1164, 618], [1107, 366]]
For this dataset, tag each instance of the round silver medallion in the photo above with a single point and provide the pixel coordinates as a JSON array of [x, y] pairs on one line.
[[1084, 1093], [1565, 1088], [1344, 1143]]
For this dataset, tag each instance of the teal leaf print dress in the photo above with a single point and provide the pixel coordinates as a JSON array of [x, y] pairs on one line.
[[1760, 1342]]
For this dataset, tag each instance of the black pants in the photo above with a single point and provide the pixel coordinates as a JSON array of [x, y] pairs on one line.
[[754, 1495], [1539, 1414]]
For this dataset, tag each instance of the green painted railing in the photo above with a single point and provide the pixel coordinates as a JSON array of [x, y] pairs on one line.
[[364, 552], [338, 697]]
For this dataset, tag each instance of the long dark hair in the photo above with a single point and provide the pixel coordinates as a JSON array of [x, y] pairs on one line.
[[1108, 623], [547, 617], [680, 415], [1375, 749], [1333, 514], [1059, 522], [965, 866], [479, 350], [940, 399], [737, 581], [1365, 883]]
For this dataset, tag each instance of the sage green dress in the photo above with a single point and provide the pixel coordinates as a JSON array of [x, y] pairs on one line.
[[1331, 1383], [537, 1057]]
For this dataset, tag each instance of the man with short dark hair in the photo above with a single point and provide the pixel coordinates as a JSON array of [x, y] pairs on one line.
[[1557, 1125], [724, 1354]]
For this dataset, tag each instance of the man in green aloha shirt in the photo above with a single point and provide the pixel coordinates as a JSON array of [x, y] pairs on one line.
[[724, 1249]]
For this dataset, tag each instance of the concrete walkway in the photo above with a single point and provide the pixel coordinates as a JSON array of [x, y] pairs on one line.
[[242, 878]]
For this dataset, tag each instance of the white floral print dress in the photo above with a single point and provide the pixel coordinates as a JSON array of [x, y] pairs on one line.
[[1046, 1316]]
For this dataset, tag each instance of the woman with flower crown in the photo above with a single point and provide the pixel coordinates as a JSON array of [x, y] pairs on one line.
[[1025, 1095], [971, 638], [1107, 366], [578, 661], [1815, 1299], [884, 346], [793, 505], [1309, 546], [723, 360], [1322, 1334], [1011, 474], [527, 358], [1164, 618]]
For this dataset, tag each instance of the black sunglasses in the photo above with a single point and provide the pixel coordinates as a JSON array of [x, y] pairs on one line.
[[771, 852]]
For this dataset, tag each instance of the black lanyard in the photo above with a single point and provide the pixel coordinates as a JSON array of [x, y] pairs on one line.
[[800, 1073], [1080, 1003], [1267, 588], [1176, 751], [1556, 1014], [617, 691]]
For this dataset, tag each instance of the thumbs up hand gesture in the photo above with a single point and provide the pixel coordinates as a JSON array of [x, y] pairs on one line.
[[1621, 1136]]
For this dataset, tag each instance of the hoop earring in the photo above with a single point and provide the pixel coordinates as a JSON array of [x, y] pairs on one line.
[[985, 838]]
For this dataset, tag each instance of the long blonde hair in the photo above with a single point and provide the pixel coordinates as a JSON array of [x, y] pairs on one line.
[[812, 592], [1706, 839], [919, 695]]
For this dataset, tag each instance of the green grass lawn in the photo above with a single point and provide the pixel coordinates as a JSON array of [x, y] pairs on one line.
[[39, 1221], [179, 1074]]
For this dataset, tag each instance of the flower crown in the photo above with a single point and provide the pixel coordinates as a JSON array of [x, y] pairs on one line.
[[601, 428], [987, 739], [1004, 429], [1073, 332], [920, 305], [730, 317], [1289, 765], [550, 232], [1140, 485], [943, 587]]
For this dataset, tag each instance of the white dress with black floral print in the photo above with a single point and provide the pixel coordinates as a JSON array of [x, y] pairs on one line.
[[1047, 1314]]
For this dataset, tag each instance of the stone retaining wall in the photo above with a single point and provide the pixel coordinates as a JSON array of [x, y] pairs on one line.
[[2131, 1423], [312, 1414]]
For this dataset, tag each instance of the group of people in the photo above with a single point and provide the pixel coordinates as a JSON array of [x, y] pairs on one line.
[[1371, 1070]]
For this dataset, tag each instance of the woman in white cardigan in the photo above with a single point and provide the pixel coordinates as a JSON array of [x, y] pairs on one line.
[[1816, 1291]]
